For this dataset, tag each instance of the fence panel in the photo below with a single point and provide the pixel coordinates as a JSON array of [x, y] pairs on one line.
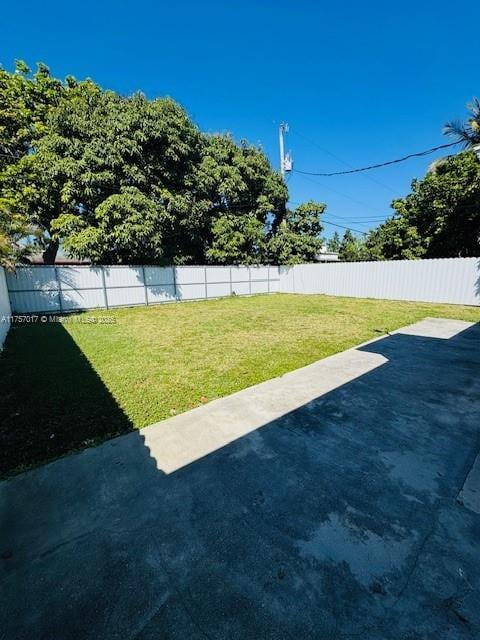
[[5, 310], [46, 289], [450, 280]]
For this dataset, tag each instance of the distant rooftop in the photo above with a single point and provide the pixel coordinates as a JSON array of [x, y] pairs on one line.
[[326, 256]]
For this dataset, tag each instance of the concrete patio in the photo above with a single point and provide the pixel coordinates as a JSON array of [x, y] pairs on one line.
[[339, 501]]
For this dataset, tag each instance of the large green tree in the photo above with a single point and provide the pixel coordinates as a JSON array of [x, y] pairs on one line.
[[125, 169], [243, 199], [26, 104], [126, 180]]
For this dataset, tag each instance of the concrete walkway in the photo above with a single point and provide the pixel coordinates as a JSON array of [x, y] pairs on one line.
[[335, 502]]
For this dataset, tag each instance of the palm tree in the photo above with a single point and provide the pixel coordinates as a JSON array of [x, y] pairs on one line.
[[467, 132]]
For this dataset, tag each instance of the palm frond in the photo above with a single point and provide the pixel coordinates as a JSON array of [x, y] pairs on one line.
[[467, 132], [474, 108], [456, 129]]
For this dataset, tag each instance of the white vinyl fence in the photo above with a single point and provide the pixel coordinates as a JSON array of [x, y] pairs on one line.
[[4, 308], [48, 289], [451, 280]]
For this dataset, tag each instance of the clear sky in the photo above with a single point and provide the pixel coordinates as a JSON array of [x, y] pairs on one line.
[[365, 81]]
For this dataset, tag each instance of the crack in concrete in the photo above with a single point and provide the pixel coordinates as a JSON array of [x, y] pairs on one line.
[[183, 602], [414, 565]]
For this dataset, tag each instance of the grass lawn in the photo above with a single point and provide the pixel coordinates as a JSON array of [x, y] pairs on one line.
[[67, 386]]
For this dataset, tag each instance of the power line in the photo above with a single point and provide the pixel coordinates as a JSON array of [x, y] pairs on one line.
[[334, 224], [354, 220], [369, 224], [339, 193], [333, 155], [381, 164]]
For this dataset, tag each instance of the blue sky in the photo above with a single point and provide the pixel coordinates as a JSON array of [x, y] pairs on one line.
[[366, 82]]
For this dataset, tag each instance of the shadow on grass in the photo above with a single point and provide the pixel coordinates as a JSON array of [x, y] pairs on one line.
[[52, 401]]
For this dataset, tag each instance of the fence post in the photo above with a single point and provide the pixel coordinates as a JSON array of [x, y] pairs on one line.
[[145, 284], [104, 287], [249, 279], [205, 276], [174, 268], [59, 289], [231, 284]]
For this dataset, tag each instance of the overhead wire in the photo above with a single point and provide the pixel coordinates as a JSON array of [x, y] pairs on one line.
[[343, 195], [353, 170], [419, 154], [341, 160], [334, 224]]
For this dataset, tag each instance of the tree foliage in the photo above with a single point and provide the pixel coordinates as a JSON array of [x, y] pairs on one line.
[[298, 238], [14, 228], [333, 243], [394, 239], [26, 102], [440, 218], [126, 179], [352, 248]]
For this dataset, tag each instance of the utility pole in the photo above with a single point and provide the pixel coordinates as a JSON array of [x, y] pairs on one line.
[[286, 162], [283, 127]]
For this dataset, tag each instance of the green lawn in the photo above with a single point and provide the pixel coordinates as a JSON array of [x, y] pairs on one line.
[[67, 386]]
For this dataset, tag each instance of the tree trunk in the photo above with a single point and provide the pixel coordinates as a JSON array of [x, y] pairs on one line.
[[50, 252], [281, 215]]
